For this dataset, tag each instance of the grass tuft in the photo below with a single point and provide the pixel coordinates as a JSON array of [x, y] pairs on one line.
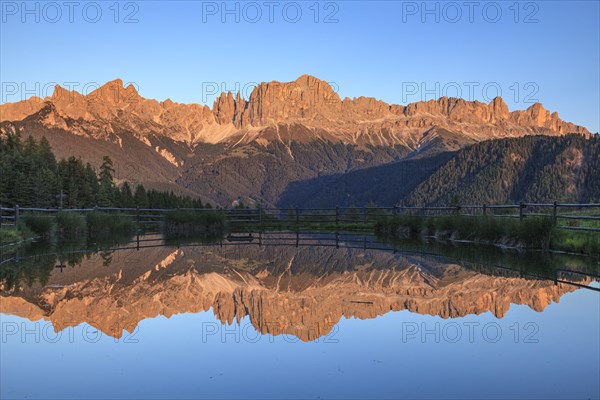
[[101, 224], [40, 225], [191, 223], [70, 225], [536, 233]]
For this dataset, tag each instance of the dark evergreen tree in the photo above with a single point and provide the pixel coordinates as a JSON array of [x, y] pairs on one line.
[[107, 190], [126, 197], [140, 197]]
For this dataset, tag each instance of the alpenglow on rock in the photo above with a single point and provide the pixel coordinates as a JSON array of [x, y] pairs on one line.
[[307, 101]]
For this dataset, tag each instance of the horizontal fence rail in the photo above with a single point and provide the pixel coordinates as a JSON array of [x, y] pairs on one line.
[[582, 217]]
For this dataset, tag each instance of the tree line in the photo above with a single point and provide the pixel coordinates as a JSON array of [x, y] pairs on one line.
[[31, 176], [534, 169]]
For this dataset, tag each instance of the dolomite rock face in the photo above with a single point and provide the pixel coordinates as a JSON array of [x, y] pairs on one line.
[[302, 292], [308, 102], [307, 98]]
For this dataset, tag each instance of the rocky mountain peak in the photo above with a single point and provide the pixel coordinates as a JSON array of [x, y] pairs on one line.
[[114, 92], [224, 108], [59, 92], [499, 107], [305, 98]]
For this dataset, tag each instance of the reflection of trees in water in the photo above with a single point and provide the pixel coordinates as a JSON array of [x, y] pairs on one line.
[[36, 261], [107, 257], [14, 274], [28, 270], [490, 260], [70, 259], [200, 238]]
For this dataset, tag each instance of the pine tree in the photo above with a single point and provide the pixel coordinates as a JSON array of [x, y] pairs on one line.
[[106, 192], [45, 154], [91, 182], [126, 196], [140, 197]]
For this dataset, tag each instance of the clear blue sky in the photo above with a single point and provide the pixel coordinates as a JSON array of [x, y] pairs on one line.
[[548, 51]]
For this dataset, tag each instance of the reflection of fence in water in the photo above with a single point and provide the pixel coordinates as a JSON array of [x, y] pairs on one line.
[[342, 240]]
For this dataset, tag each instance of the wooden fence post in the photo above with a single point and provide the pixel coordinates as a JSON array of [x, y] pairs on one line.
[[555, 212], [337, 214], [521, 211], [137, 215], [484, 210], [16, 215]]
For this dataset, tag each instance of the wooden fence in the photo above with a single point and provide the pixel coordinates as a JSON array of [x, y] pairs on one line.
[[585, 217]]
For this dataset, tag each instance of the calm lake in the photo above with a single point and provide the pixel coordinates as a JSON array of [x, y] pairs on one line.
[[286, 315]]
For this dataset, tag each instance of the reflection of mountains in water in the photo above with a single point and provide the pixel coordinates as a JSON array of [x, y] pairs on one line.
[[303, 291]]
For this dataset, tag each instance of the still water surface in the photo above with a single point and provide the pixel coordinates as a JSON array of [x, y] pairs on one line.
[[285, 316]]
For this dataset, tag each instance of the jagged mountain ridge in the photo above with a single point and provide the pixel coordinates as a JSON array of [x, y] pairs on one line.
[[307, 101]]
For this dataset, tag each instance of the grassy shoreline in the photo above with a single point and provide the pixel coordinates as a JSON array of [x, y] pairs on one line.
[[538, 233], [99, 225]]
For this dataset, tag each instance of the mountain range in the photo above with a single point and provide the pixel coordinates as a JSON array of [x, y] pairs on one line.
[[287, 144]]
